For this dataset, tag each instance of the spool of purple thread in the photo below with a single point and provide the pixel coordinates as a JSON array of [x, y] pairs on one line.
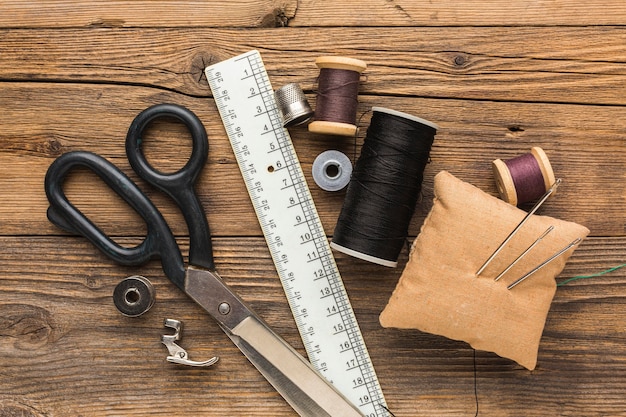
[[524, 178], [337, 95]]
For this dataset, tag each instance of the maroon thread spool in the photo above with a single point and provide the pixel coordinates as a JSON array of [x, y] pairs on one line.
[[525, 178], [337, 95]]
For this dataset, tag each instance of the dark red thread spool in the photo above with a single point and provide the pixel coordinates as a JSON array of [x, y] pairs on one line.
[[337, 95], [524, 178]]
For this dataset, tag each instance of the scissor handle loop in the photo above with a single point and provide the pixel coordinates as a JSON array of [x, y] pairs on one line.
[[180, 184], [159, 241], [187, 175]]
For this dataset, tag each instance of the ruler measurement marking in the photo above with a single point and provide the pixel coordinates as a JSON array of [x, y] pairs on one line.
[[263, 134]]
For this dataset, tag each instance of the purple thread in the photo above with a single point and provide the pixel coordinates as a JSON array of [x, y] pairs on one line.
[[527, 178], [337, 95]]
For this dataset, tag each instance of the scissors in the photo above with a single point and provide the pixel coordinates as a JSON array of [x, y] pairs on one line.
[[291, 375]]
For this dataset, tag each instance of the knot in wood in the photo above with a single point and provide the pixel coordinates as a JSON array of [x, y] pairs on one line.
[[26, 327], [277, 18], [199, 62], [460, 60], [54, 147]]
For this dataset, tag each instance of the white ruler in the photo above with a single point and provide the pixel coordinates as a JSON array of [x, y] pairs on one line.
[[293, 230]]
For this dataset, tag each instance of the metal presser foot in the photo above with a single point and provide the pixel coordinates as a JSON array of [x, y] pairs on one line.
[[178, 354]]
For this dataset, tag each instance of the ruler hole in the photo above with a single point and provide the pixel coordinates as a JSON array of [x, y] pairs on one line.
[[270, 168]]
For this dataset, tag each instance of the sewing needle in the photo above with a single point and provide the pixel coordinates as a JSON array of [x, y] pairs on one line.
[[548, 230], [530, 213], [544, 263]]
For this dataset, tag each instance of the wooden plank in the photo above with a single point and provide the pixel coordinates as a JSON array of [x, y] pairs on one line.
[[66, 350], [264, 13], [472, 134], [454, 13], [532, 64], [158, 13]]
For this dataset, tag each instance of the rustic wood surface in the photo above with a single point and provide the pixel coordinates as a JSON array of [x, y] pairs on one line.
[[497, 76]]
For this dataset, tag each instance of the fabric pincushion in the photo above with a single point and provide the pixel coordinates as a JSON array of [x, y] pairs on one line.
[[439, 291]]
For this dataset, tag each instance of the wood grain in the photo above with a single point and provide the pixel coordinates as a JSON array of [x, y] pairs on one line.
[[76, 355], [497, 76], [471, 135], [303, 13], [580, 65]]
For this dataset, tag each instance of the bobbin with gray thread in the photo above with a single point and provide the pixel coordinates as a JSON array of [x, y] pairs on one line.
[[134, 296], [332, 170], [293, 105]]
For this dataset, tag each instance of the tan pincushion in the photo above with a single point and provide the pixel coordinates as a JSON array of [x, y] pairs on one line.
[[440, 293]]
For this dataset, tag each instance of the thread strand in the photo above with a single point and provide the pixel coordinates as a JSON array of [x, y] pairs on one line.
[[598, 274]]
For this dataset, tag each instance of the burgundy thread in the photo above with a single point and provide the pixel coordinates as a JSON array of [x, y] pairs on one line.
[[527, 178], [337, 95]]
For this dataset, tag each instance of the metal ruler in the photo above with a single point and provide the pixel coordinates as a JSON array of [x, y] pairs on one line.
[[293, 230]]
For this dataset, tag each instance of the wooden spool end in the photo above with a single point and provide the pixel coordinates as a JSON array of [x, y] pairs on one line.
[[341, 62], [544, 165], [504, 182], [332, 128]]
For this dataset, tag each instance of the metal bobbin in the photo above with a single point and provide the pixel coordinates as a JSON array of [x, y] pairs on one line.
[[332, 170], [293, 105], [134, 296]]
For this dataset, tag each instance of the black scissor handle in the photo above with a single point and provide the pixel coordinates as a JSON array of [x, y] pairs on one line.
[[180, 184], [159, 240]]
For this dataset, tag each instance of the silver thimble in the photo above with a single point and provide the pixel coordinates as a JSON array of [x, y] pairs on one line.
[[293, 105]]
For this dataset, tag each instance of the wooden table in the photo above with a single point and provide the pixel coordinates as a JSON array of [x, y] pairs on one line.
[[497, 76]]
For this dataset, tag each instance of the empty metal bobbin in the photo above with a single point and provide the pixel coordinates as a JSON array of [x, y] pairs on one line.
[[134, 296], [293, 105]]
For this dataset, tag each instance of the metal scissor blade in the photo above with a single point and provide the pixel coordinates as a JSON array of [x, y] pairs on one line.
[[290, 374], [310, 394]]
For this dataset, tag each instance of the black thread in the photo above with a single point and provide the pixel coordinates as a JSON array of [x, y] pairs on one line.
[[475, 384], [388, 410], [386, 183]]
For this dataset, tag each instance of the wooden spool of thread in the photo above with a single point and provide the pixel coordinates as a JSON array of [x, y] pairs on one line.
[[337, 95], [525, 178], [384, 188]]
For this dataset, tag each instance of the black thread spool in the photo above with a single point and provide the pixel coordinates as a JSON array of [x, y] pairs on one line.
[[384, 188], [337, 95]]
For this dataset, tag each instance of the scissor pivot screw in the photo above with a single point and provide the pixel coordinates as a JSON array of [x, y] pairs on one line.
[[224, 308]]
